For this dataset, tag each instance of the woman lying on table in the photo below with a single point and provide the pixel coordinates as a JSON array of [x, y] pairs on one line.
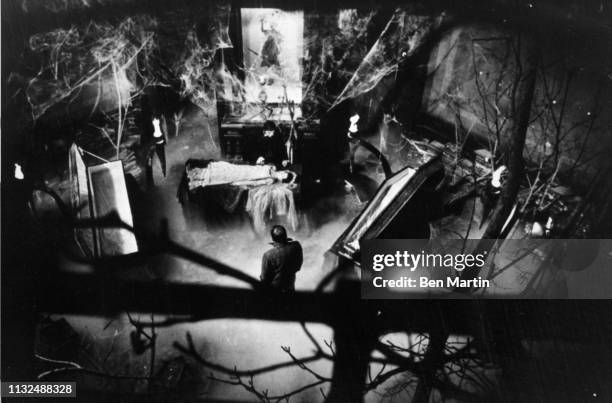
[[225, 173]]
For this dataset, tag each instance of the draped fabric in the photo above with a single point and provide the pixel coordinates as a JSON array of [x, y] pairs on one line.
[[268, 202], [221, 173]]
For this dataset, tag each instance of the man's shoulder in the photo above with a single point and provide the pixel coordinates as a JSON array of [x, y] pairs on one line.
[[270, 251], [283, 248], [295, 245]]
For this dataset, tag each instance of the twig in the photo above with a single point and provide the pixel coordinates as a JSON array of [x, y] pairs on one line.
[[190, 351]]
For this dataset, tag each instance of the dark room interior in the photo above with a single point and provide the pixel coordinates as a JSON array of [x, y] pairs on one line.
[[152, 151]]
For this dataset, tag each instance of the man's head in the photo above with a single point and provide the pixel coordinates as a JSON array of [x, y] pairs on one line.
[[269, 128], [279, 234]]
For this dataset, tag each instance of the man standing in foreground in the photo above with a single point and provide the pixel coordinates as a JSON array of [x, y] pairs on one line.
[[279, 264]]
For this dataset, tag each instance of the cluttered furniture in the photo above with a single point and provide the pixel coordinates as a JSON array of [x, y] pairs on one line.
[[241, 135]]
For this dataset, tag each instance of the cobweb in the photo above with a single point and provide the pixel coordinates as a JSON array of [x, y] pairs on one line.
[[74, 58], [196, 66], [336, 44], [401, 37], [340, 62]]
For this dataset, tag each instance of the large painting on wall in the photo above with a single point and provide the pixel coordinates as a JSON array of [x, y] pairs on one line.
[[273, 42]]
